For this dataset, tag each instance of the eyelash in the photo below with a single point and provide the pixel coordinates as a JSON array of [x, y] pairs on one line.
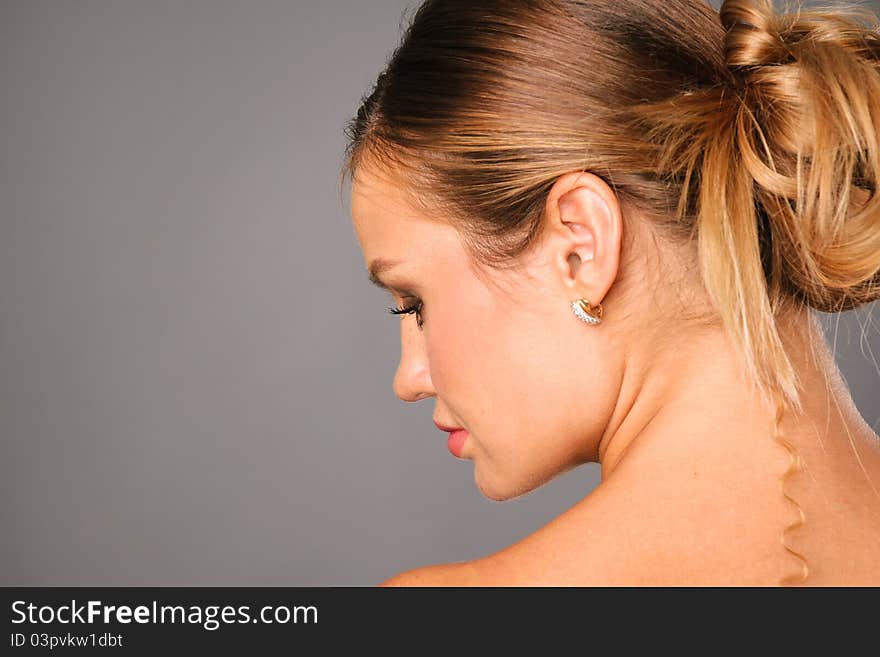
[[407, 310]]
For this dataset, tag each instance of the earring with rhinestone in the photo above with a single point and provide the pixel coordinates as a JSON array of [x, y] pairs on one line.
[[586, 312]]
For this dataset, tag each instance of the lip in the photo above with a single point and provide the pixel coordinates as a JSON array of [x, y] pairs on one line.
[[445, 428], [456, 442]]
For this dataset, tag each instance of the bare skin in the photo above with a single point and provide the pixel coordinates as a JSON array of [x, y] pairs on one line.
[[711, 513], [690, 471]]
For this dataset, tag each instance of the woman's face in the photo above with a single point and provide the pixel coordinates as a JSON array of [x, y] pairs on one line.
[[501, 352]]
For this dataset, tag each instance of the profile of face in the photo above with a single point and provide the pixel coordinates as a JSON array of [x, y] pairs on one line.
[[502, 352]]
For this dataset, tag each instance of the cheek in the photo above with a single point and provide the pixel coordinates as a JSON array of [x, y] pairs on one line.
[[468, 355], [489, 365], [457, 351], [529, 397]]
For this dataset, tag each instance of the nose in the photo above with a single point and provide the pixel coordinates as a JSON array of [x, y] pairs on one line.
[[412, 381]]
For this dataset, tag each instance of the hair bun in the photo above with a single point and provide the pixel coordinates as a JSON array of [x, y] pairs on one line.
[[806, 133], [752, 37]]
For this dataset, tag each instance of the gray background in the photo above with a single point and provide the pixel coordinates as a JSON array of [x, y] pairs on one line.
[[195, 376]]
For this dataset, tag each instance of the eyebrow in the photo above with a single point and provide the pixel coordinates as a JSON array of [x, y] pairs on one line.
[[379, 267]]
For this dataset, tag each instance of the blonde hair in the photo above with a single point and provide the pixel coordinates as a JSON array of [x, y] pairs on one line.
[[752, 133]]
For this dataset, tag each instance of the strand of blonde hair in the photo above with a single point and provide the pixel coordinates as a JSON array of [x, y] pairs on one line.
[[793, 467]]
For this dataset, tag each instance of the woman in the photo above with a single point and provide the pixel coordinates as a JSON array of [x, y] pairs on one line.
[[608, 226]]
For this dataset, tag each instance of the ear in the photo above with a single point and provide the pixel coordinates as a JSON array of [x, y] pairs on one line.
[[583, 224]]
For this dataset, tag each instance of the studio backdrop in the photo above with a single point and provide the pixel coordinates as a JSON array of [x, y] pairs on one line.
[[195, 374]]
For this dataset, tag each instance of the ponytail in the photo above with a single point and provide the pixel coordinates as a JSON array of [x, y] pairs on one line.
[[779, 165]]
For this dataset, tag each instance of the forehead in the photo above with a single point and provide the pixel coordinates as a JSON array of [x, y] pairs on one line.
[[374, 195], [391, 227], [386, 219]]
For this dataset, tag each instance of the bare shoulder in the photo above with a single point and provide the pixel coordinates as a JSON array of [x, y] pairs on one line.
[[645, 538], [460, 573], [702, 540], [693, 529], [578, 548], [565, 552]]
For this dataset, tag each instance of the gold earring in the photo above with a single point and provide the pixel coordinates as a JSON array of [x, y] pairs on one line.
[[586, 312]]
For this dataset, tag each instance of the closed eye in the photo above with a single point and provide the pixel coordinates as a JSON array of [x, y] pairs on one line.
[[415, 308]]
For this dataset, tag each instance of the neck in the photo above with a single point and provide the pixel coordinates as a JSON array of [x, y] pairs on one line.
[[695, 407]]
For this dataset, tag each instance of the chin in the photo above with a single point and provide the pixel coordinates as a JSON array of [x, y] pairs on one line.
[[500, 489]]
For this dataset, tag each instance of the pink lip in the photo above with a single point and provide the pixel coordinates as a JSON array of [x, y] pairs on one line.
[[450, 429], [456, 441], [457, 438]]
